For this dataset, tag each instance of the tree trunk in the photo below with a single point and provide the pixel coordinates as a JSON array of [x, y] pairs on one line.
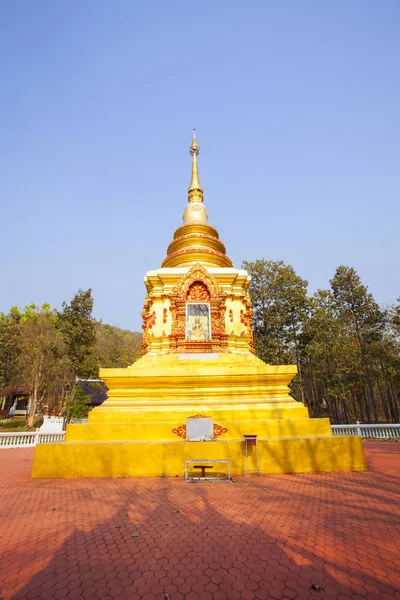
[[35, 396], [33, 404], [391, 397], [355, 408], [366, 371]]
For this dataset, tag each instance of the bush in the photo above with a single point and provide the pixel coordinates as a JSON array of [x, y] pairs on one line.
[[78, 409]]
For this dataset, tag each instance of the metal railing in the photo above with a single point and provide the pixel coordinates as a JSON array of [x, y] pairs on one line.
[[369, 430], [26, 439]]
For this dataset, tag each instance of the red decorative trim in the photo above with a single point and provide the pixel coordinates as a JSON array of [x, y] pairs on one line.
[[220, 247], [181, 431], [196, 235], [151, 320], [198, 283], [198, 292], [188, 347], [217, 429], [200, 250], [245, 318]]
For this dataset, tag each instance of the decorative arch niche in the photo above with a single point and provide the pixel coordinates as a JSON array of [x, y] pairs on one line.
[[198, 292], [198, 286]]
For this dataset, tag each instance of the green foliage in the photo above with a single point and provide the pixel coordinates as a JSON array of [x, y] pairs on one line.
[[41, 350], [280, 304], [45, 351], [117, 347], [355, 303], [9, 348], [346, 347], [77, 326], [78, 408], [364, 325], [330, 358]]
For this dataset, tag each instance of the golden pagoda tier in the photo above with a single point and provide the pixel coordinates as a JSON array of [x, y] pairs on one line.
[[197, 363]]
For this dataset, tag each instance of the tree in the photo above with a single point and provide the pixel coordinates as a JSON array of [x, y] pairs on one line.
[[364, 318], [351, 354], [77, 326], [47, 350], [330, 360], [9, 349], [280, 305], [78, 408], [41, 348], [395, 319], [346, 347]]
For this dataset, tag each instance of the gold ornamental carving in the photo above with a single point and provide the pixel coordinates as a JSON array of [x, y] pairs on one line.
[[198, 285], [148, 322]]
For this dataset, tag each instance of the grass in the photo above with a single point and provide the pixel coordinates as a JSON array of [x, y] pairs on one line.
[[17, 425]]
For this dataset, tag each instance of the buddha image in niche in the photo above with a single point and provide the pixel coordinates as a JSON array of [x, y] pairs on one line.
[[197, 332], [198, 322]]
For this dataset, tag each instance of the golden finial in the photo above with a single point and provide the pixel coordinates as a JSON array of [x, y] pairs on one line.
[[194, 148], [195, 189]]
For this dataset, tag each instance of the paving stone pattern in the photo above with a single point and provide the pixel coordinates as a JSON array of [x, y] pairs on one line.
[[267, 537]]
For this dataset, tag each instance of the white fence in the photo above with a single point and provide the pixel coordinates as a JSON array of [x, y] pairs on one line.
[[369, 430], [52, 425], [29, 439]]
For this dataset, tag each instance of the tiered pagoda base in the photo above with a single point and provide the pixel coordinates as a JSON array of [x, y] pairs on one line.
[[140, 430]]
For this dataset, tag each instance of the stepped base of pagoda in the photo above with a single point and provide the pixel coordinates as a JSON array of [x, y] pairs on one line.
[[167, 458], [140, 430]]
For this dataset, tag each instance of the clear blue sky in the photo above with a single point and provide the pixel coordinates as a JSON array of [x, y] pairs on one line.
[[296, 106]]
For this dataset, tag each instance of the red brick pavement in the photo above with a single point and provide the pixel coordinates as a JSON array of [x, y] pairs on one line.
[[268, 538]]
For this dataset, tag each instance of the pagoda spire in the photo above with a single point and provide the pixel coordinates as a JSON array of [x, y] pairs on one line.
[[195, 241], [195, 191]]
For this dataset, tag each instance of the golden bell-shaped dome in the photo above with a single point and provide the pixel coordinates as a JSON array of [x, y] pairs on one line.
[[196, 241]]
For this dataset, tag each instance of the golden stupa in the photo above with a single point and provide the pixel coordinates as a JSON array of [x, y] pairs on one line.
[[198, 363]]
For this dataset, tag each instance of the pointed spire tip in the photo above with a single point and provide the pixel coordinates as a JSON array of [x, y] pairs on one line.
[[195, 189], [194, 148]]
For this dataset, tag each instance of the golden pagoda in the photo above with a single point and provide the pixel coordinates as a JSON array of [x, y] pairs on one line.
[[197, 366]]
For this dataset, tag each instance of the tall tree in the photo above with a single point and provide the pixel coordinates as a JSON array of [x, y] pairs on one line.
[[280, 305], [330, 360], [42, 347], [365, 318], [78, 329], [9, 349], [395, 318]]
